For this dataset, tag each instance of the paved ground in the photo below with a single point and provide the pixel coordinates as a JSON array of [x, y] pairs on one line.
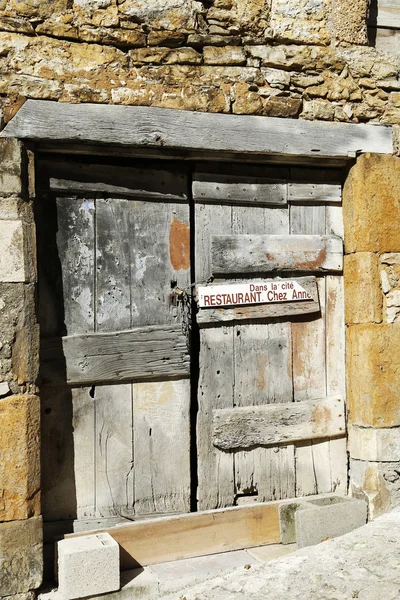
[[363, 564]]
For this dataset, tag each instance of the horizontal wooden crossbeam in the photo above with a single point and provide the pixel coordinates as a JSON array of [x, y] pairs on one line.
[[265, 253], [138, 354], [249, 426]]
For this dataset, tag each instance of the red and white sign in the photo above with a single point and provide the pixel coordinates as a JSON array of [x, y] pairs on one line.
[[256, 292]]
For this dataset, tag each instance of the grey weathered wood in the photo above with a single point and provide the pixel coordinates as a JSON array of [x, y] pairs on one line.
[[388, 40], [314, 192], [161, 428], [83, 426], [236, 189], [174, 129], [142, 353], [262, 372], [216, 374], [246, 427], [114, 450], [264, 253], [386, 13], [264, 311], [75, 242], [121, 181]]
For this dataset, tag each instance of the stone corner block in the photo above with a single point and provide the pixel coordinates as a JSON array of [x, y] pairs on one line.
[[21, 556], [375, 445], [328, 517], [20, 457], [376, 483], [11, 159], [350, 21], [12, 252], [371, 208], [88, 565], [372, 367], [363, 297]]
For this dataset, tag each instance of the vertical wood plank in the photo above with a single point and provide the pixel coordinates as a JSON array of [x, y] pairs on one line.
[[309, 364], [216, 373], [162, 447], [336, 383], [334, 220], [75, 241], [83, 426], [263, 374], [159, 237], [113, 403]]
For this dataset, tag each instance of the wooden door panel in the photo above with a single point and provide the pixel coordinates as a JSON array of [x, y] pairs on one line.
[[122, 248], [278, 356]]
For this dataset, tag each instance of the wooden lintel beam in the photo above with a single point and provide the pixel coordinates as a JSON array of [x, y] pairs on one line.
[[152, 127]]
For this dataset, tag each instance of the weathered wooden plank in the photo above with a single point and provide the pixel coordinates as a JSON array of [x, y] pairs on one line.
[[264, 311], [262, 361], [388, 40], [114, 456], [185, 536], [314, 192], [385, 13], [159, 237], [336, 380], [83, 427], [246, 427], [237, 189], [265, 253], [161, 418], [307, 219], [142, 353], [75, 242], [216, 373], [121, 181], [58, 488], [152, 127]]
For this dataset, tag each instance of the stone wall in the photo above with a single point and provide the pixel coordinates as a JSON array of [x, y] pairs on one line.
[[20, 521], [371, 205], [287, 58]]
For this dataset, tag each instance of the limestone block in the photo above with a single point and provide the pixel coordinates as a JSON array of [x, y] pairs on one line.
[[20, 457], [287, 523], [328, 518], [372, 366], [10, 167], [12, 259], [88, 565], [321, 110], [363, 296], [375, 445], [282, 107], [371, 207], [21, 560], [367, 481], [167, 15], [227, 55], [9, 208]]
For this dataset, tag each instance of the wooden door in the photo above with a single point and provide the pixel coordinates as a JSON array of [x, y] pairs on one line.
[[273, 354], [113, 248]]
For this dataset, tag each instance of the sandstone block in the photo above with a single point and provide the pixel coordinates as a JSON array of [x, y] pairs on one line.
[[371, 207], [363, 296], [21, 550], [227, 55], [246, 101], [168, 56], [350, 21], [372, 366], [12, 258], [20, 457], [88, 565], [282, 107], [375, 445]]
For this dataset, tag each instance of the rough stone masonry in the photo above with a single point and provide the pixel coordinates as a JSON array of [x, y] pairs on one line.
[[288, 58]]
